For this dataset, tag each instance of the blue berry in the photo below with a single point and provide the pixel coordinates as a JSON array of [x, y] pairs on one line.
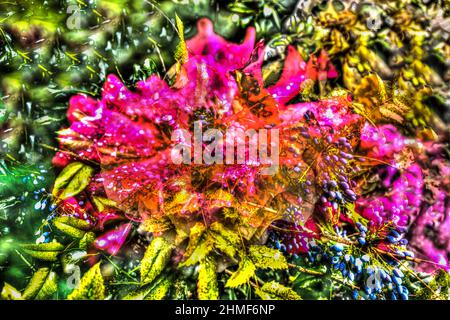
[[398, 273]]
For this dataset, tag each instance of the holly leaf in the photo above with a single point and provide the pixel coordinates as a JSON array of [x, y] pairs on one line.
[[243, 274], [267, 258], [207, 287], [91, 286], [10, 293], [155, 259], [42, 285], [43, 251], [71, 226], [72, 180], [275, 291]]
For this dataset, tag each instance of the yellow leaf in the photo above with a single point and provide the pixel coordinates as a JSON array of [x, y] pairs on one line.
[[181, 53], [267, 258], [243, 274], [43, 251], [225, 240], [72, 180], [102, 203], [200, 245], [91, 286], [155, 259], [276, 291], [42, 285], [207, 287], [71, 226], [10, 293], [158, 291]]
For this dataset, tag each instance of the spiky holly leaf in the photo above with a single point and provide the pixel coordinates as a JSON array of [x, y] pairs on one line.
[[275, 291], [72, 180], [207, 287], [155, 259], [42, 285], [43, 251], [10, 293], [243, 274], [71, 226], [91, 286], [267, 258]]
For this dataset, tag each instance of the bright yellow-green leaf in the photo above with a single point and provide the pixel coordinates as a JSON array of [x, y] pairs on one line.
[[276, 291], [225, 240], [71, 226], [207, 287], [87, 240], [72, 180], [243, 274], [155, 259], [102, 203], [43, 251], [10, 293], [42, 285], [267, 258], [181, 53], [158, 291], [200, 245], [91, 286]]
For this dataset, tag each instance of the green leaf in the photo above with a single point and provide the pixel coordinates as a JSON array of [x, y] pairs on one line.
[[225, 240], [72, 180], [158, 291], [10, 293], [181, 53], [91, 286], [267, 258], [207, 287], [42, 285], [71, 226], [243, 274], [155, 259], [43, 251], [276, 291]]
